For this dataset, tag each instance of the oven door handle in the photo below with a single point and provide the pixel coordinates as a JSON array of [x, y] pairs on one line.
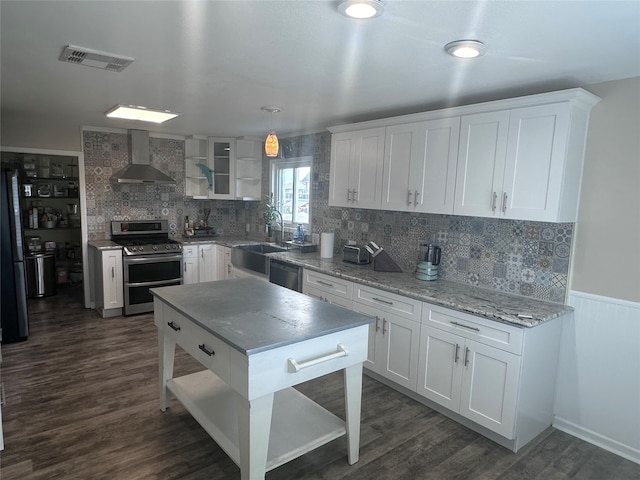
[[153, 284], [153, 258]]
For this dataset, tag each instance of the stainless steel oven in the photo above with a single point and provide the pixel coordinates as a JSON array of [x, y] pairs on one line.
[[149, 258], [148, 271]]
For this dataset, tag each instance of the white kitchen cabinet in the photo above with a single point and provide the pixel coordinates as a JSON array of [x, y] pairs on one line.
[[420, 166], [248, 171], [224, 268], [207, 262], [498, 377], [394, 336], [189, 264], [523, 163], [356, 168], [327, 288], [107, 285], [222, 163], [470, 378]]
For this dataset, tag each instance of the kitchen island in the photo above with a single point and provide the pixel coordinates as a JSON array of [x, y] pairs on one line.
[[257, 340]]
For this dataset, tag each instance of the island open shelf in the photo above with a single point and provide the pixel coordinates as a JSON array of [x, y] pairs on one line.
[[298, 424]]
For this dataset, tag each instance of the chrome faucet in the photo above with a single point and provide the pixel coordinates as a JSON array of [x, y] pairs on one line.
[[281, 227]]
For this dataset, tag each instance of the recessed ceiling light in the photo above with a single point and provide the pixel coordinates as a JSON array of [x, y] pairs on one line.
[[465, 48], [136, 112], [361, 8]]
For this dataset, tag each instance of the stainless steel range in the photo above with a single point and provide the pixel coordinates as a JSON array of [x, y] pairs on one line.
[[150, 259]]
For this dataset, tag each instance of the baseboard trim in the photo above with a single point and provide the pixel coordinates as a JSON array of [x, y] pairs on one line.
[[601, 441]]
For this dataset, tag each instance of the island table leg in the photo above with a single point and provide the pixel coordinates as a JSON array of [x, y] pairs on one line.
[[352, 400], [254, 427], [166, 356]]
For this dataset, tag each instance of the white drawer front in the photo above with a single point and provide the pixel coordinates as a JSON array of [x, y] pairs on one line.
[[189, 250], [388, 302], [327, 283], [496, 334], [209, 350], [329, 297], [272, 370]]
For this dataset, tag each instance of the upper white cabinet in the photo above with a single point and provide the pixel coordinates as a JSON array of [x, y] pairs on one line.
[[356, 168], [519, 158], [420, 166], [223, 168]]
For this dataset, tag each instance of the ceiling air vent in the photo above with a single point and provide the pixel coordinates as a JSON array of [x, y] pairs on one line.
[[95, 58]]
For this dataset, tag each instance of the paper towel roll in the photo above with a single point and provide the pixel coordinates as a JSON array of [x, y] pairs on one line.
[[326, 245]]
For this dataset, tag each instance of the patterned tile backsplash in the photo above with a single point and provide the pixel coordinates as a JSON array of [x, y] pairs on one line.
[[519, 257]]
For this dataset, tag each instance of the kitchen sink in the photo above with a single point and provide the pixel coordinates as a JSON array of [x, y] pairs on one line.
[[253, 257]]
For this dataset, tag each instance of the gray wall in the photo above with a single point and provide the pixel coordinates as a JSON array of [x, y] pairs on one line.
[[607, 246]]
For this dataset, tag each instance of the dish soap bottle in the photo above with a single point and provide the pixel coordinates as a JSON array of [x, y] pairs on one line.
[[299, 236]]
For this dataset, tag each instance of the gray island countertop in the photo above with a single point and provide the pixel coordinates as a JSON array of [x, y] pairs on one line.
[[252, 316]]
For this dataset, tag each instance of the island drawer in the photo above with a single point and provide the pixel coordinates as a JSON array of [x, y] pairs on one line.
[[318, 281], [489, 332], [388, 302]]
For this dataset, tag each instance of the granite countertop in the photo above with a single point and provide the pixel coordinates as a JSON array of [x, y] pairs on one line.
[[254, 316], [503, 307]]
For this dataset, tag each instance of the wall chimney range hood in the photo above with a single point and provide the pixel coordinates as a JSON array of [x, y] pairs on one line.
[[140, 170]]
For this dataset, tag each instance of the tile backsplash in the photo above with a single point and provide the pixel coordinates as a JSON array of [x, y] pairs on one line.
[[520, 257]]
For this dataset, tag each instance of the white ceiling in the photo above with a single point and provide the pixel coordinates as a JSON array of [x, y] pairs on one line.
[[218, 62]]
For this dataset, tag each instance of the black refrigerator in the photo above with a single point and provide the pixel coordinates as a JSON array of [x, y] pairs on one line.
[[13, 302]]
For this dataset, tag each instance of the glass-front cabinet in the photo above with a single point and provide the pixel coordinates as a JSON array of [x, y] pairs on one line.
[[210, 168]]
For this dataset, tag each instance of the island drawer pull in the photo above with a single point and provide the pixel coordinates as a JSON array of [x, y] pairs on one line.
[[382, 301], [174, 326], [204, 348], [464, 326], [327, 284], [296, 367]]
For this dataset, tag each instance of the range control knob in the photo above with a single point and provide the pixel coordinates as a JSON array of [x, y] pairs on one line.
[[154, 247]]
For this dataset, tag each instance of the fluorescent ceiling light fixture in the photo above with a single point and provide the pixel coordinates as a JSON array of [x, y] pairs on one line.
[[136, 112], [465, 48], [361, 8]]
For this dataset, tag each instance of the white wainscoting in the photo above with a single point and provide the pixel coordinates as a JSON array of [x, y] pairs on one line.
[[598, 393]]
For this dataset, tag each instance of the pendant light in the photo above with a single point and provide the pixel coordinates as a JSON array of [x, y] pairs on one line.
[[271, 145]]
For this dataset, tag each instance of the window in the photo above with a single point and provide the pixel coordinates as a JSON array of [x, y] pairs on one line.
[[290, 182]]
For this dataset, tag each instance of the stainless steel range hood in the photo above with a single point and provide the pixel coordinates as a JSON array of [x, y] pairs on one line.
[[140, 170]]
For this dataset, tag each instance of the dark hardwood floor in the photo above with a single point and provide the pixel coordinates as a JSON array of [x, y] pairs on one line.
[[82, 403]]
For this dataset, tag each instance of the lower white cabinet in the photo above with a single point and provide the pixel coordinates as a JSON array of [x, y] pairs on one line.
[[107, 289], [327, 288], [470, 378], [205, 262], [394, 336]]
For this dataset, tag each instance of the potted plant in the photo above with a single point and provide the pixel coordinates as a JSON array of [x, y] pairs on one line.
[[270, 215]]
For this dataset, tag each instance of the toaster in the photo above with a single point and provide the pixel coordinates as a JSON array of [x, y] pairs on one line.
[[353, 254]]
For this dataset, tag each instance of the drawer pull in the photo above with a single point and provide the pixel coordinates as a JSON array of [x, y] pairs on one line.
[[296, 367], [204, 348], [382, 301], [326, 284], [174, 326], [465, 326]]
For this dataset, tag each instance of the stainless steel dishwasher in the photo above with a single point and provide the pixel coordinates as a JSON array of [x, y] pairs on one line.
[[285, 274]]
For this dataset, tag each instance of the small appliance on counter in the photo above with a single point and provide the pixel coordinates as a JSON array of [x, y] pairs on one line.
[[355, 254], [428, 269]]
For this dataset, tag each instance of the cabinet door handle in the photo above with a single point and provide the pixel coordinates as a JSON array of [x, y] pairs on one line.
[[464, 326], [494, 199], [202, 254], [504, 202], [326, 284], [384, 326], [113, 272], [415, 198], [466, 356], [185, 267], [174, 327], [348, 194], [456, 356], [382, 301], [204, 348], [377, 323], [408, 198]]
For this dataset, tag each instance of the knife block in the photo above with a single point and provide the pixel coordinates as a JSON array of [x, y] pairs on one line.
[[382, 262]]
